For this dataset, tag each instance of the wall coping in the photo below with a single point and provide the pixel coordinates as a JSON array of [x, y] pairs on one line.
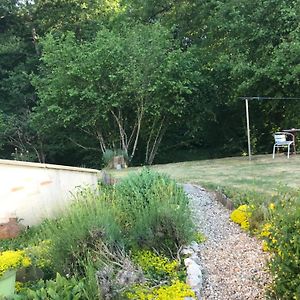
[[47, 166]]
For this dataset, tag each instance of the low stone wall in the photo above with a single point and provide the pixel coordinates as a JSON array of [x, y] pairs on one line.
[[33, 191]]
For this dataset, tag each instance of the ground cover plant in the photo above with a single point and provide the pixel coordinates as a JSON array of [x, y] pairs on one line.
[[115, 242], [283, 240]]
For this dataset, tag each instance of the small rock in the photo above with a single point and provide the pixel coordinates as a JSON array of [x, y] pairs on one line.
[[194, 246], [195, 258], [194, 274], [30, 273], [187, 251]]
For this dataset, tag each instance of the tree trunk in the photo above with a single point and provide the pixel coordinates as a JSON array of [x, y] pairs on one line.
[[151, 150]]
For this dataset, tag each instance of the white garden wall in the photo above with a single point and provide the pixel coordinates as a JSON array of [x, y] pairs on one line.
[[33, 191]]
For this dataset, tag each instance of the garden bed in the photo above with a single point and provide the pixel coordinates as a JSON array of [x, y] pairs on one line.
[[119, 242]]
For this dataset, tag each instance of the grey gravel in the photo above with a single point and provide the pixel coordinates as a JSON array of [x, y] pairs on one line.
[[233, 263]]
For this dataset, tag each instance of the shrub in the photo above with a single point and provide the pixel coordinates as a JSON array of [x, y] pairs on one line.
[[153, 211], [39, 254], [147, 210], [284, 241], [19, 242], [73, 232], [108, 156]]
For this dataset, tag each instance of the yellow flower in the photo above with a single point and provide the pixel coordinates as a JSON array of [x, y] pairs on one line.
[[19, 286], [12, 260], [265, 232], [245, 225], [241, 216], [150, 261], [26, 262], [265, 246], [178, 290], [271, 206]]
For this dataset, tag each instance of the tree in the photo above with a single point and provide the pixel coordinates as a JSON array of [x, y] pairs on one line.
[[18, 58], [82, 17], [246, 48], [112, 87]]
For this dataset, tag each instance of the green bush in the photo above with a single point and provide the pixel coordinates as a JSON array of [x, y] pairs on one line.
[[284, 241], [20, 242], [90, 217], [153, 211]]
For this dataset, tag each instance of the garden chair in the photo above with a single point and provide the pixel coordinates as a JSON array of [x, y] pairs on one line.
[[283, 140]]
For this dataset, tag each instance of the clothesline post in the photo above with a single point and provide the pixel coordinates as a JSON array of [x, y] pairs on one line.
[[248, 128]]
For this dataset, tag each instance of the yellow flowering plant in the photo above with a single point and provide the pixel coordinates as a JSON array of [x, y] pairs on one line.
[[272, 206], [159, 268], [10, 260], [241, 216], [178, 290], [156, 266], [265, 234]]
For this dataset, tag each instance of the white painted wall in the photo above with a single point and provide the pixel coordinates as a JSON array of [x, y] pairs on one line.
[[33, 191]]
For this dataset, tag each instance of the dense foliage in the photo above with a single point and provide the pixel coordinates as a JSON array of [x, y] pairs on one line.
[[276, 221], [152, 78], [154, 211], [284, 241]]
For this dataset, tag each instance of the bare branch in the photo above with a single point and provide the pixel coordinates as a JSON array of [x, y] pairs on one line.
[[122, 132], [81, 146], [101, 140], [139, 122]]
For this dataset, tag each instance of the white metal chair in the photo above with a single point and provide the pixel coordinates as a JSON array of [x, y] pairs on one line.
[[282, 140]]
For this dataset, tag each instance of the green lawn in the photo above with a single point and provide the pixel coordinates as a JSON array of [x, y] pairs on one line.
[[262, 174]]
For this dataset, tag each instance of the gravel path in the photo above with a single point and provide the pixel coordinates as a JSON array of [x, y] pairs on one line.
[[233, 263]]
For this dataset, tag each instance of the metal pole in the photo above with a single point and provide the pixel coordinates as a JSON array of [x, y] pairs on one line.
[[248, 129]]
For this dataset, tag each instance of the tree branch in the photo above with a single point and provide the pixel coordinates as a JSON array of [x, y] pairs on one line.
[[81, 146]]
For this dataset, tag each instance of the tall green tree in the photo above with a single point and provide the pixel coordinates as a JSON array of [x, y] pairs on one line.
[[112, 87], [18, 58], [83, 17]]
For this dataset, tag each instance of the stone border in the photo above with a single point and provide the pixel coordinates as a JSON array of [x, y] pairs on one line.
[[220, 197], [194, 276]]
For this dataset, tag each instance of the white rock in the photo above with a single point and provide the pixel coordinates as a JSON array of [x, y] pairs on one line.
[[194, 245], [187, 251], [194, 274], [195, 258]]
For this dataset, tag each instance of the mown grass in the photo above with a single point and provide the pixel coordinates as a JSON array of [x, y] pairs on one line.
[[262, 174]]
